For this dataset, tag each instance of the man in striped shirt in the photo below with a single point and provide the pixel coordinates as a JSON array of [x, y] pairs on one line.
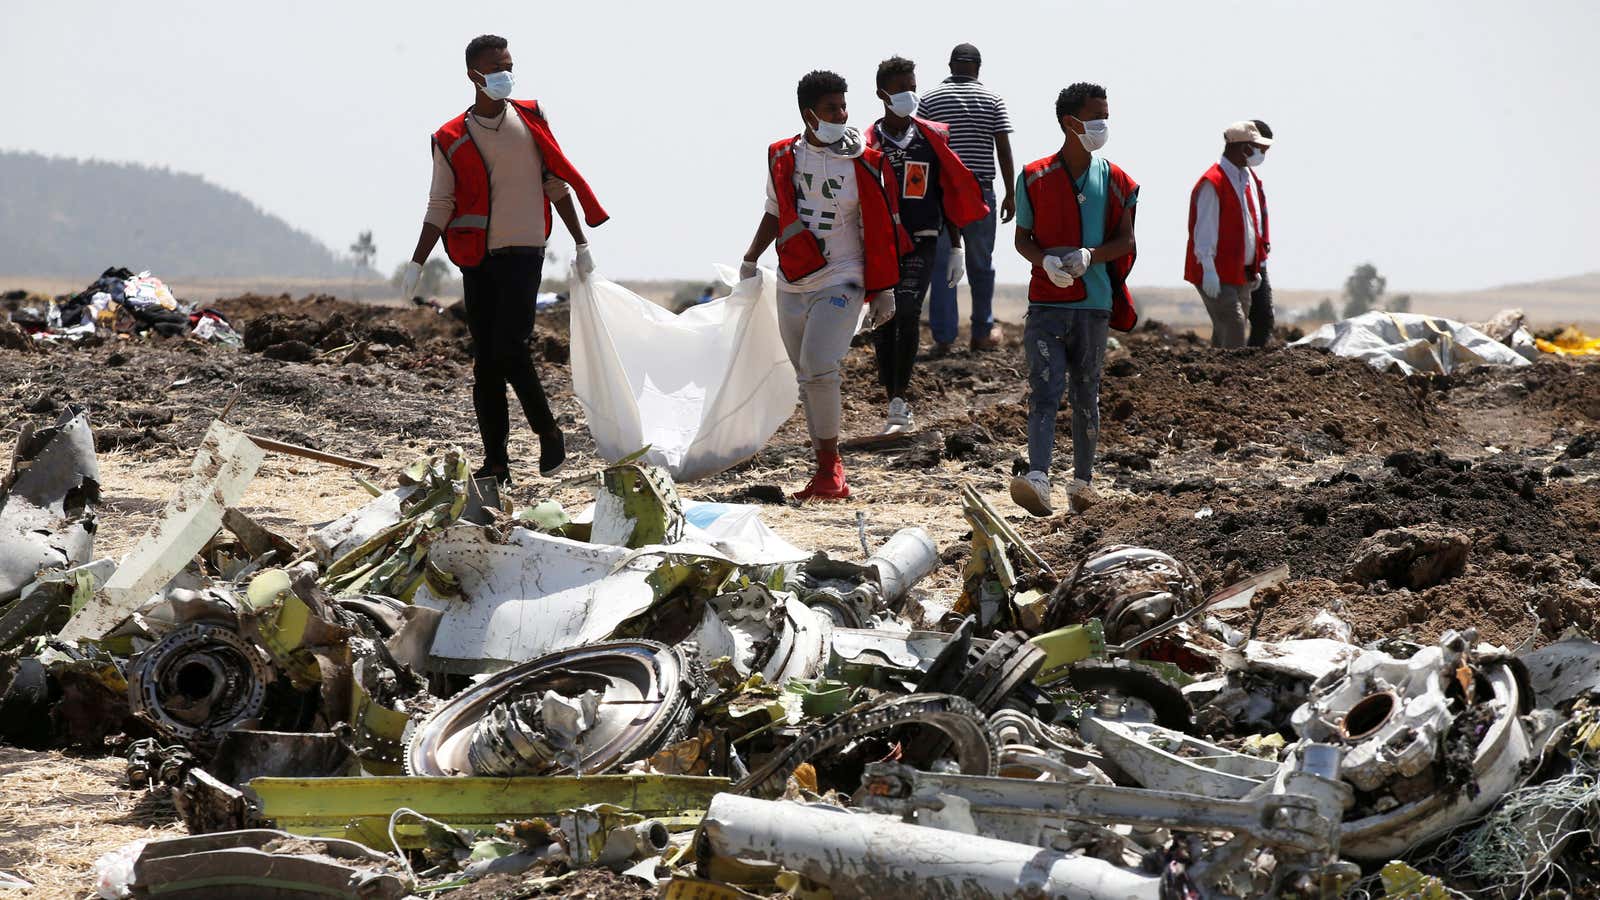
[[980, 130]]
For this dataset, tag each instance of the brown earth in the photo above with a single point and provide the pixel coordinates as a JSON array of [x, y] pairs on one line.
[[1233, 461]]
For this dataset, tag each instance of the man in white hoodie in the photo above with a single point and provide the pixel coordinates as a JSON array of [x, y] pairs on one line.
[[832, 210]]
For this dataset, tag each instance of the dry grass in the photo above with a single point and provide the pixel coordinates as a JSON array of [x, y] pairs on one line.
[[288, 493], [59, 813]]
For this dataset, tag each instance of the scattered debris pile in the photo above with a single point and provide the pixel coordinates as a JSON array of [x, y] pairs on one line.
[[119, 302], [438, 692]]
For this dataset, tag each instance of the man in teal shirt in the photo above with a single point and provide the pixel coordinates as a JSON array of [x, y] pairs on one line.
[[1092, 193], [1071, 295]]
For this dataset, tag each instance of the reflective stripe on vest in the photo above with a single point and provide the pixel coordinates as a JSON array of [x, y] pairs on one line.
[[793, 229], [1056, 164], [469, 222], [457, 144]]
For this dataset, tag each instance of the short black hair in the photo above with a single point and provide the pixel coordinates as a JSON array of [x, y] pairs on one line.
[[894, 65], [1072, 98], [818, 84], [481, 43], [1264, 128]]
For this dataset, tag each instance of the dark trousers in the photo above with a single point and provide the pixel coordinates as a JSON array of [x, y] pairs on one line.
[[896, 340], [978, 239], [1261, 318], [499, 302]]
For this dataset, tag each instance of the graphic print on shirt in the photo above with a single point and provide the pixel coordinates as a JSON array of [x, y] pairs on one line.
[[916, 180], [823, 219]]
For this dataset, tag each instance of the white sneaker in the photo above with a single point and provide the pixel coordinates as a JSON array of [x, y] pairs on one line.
[[1032, 493], [899, 416], [1080, 496]]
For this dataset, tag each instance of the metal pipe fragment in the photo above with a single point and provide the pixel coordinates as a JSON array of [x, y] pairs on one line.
[[865, 855], [905, 559]]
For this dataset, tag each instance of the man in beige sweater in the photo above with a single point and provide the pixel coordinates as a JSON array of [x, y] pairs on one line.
[[497, 172]]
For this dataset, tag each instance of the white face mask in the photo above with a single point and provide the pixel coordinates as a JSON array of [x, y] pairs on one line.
[[829, 132], [903, 104], [1095, 134], [1255, 157], [497, 85]]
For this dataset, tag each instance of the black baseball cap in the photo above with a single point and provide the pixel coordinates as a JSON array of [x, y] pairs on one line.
[[966, 53]]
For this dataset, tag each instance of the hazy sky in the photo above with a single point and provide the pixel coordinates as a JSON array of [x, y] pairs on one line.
[[1452, 143]]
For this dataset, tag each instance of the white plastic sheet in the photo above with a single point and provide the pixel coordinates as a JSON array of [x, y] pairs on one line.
[[705, 388], [1411, 343]]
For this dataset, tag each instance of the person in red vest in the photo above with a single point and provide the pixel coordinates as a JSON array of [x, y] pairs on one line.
[[832, 207], [497, 171], [1075, 213], [1262, 317], [1227, 245], [937, 192]]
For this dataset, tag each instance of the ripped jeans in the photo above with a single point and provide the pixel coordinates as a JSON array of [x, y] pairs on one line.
[[1066, 350]]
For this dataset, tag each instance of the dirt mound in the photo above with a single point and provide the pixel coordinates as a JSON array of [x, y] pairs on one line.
[[1530, 542], [325, 318], [1164, 390]]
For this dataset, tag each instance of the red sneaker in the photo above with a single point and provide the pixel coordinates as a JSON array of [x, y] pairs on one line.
[[827, 484]]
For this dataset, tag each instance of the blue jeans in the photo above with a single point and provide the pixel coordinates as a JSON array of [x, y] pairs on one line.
[[943, 315], [1066, 350]]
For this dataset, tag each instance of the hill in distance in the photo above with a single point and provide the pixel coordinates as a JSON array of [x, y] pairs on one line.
[[71, 218]]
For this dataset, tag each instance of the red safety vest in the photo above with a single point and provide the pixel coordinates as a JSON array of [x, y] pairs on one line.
[[1230, 231], [883, 240], [1263, 246], [466, 237], [1058, 224], [959, 189]]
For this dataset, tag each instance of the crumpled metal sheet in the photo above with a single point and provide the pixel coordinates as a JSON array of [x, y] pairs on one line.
[[47, 503], [48, 601], [223, 467], [263, 862], [637, 505], [528, 595], [1564, 670], [361, 524]]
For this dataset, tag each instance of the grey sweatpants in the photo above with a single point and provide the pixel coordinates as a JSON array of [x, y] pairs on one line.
[[816, 327], [1227, 314]]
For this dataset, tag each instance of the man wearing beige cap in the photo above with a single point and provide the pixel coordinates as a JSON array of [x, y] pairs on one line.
[[1226, 247]]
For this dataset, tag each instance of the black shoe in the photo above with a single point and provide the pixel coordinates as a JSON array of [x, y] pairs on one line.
[[552, 453], [501, 474]]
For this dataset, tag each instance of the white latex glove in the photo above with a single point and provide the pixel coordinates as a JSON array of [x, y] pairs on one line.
[[1076, 262], [881, 309], [957, 268], [1210, 284], [583, 262], [1057, 271], [409, 280], [748, 270], [1255, 285]]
